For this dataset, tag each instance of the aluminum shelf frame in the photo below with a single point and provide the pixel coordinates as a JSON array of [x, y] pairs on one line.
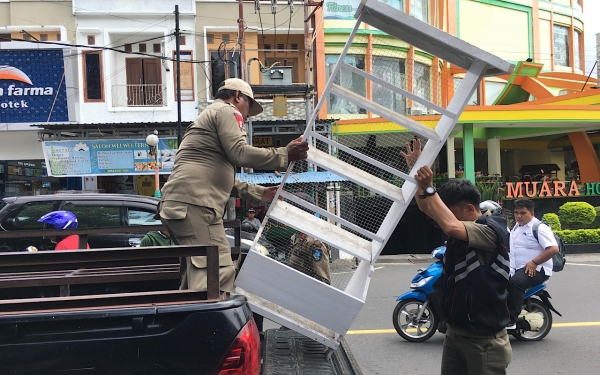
[[299, 302]]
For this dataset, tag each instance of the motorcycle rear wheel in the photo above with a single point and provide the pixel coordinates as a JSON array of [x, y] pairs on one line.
[[536, 306], [406, 324]]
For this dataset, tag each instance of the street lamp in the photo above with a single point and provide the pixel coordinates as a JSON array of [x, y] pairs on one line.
[[152, 141]]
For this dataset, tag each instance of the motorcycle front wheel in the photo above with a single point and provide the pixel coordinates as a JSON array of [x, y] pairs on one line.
[[538, 307], [407, 325]]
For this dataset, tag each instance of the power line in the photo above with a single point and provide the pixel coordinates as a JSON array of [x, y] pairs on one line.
[[112, 49]]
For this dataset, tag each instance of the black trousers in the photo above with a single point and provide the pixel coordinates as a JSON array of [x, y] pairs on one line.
[[517, 285]]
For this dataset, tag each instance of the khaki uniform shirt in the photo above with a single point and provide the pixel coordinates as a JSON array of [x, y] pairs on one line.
[[310, 256], [213, 145]]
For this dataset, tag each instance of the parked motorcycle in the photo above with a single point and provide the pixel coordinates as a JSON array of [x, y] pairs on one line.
[[418, 314]]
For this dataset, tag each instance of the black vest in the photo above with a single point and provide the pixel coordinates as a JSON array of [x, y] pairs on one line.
[[475, 295]]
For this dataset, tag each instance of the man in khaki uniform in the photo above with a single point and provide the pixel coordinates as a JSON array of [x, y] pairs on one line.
[[310, 256], [203, 178]]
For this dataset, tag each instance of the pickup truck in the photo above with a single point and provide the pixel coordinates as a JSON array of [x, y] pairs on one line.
[[117, 311]]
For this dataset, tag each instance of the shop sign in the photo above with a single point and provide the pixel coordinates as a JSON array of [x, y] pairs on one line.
[[107, 157], [262, 141], [345, 9], [542, 189], [32, 86]]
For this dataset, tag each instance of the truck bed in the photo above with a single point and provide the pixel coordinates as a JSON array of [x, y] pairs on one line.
[[290, 353]]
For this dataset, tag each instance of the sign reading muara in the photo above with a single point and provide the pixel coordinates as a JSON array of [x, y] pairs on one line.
[[542, 189], [32, 87], [113, 157]]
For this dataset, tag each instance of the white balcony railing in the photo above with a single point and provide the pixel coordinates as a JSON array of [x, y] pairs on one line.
[[144, 95]]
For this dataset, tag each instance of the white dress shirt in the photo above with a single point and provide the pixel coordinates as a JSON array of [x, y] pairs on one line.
[[524, 247]]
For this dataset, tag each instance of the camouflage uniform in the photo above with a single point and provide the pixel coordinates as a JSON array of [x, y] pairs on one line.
[[310, 256]]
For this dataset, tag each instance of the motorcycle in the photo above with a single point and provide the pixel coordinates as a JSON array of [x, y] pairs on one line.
[[418, 314]]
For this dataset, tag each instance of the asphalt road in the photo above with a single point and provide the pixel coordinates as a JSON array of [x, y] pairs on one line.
[[572, 346]]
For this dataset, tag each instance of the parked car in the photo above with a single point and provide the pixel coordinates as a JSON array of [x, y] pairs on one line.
[[93, 210]]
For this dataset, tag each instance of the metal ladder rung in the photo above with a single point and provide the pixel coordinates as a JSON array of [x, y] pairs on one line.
[[362, 157], [358, 176], [322, 230], [399, 91], [384, 112], [331, 216]]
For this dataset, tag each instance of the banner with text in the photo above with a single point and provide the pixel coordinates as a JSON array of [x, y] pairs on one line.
[[345, 9], [107, 157]]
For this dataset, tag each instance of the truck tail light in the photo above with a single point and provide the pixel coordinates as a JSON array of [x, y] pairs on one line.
[[243, 355]]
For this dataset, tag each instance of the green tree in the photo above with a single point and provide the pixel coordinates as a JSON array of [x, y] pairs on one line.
[[576, 215], [552, 220]]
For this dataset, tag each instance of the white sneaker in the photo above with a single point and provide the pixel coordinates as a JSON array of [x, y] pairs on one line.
[[511, 326]]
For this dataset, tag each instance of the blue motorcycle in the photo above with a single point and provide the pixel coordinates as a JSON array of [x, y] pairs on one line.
[[418, 314]]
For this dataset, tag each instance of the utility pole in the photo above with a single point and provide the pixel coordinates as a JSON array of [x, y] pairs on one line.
[[307, 44], [178, 75], [240, 20]]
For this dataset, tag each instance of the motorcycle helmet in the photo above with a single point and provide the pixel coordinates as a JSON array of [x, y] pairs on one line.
[[60, 219], [247, 227], [490, 208]]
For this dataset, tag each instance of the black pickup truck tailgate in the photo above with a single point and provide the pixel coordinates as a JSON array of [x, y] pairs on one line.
[[187, 338]]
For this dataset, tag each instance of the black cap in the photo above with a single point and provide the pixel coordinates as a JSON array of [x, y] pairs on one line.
[[251, 210]]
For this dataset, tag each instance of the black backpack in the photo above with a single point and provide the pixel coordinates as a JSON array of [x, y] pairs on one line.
[[559, 259]]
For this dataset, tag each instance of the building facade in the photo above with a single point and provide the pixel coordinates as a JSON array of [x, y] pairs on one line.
[[547, 33]]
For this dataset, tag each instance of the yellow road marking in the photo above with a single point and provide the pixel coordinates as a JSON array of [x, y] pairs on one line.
[[379, 331]]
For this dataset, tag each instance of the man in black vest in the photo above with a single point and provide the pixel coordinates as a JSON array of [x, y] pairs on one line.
[[475, 278]]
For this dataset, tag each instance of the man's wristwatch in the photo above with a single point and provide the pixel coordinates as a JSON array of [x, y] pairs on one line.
[[428, 192]]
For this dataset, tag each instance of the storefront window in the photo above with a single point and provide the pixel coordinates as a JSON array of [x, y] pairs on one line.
[[29, 178], [422, 81], [346, 79], [391, 71], [419, 9], [577, 50], [561, 45], [492, 91], [474, 98]]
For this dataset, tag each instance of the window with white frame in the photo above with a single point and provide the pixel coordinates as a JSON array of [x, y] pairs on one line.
[[561, 45], [348, 80], [577, 49], [420, 9], [392, 71], [422, 82]]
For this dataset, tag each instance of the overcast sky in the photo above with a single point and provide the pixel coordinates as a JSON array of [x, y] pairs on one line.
[[592, 27]]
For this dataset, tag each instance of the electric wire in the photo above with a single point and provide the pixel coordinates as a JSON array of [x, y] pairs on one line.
[[111, 49]]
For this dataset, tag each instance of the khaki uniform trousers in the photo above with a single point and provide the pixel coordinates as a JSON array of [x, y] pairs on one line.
[[484, 355], [193, 225]]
